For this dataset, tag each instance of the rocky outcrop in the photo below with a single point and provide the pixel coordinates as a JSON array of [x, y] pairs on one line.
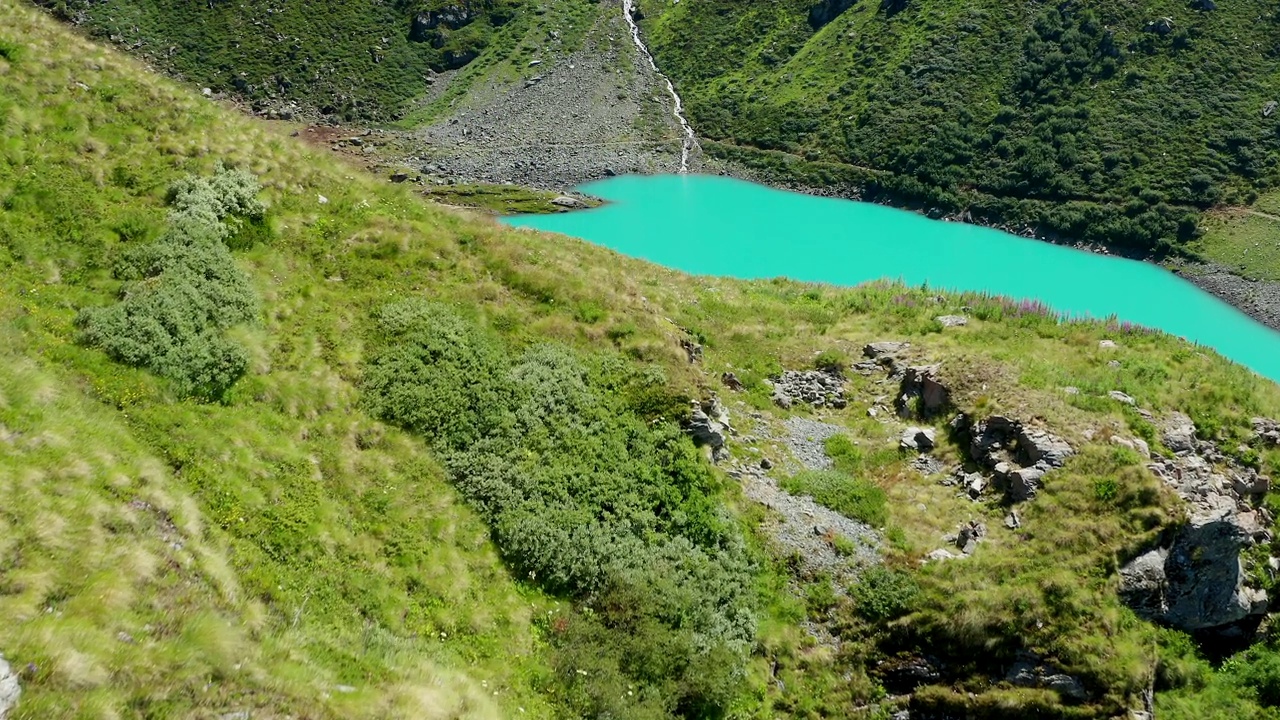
[[426, 26], [970, 534], [921, 393], [1018, 455], [819, 388], [1196, 580], [709, 426], [9, 689], [893, 7], [1179, 433], [1160, 26]]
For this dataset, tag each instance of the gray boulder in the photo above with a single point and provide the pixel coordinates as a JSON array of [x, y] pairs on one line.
[[1122, 397], [952, 320], [732, 382], [1179, 433], [1024, 483], [1039, 446], [708, 425], [921, 439], [9, 689], [878, 350], [970, 535], [566, 201]]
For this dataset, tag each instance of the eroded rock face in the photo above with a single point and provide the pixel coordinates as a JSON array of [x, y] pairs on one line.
[[9, 689]]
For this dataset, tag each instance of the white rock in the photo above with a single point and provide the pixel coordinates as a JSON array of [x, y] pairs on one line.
[[939, 555], [9, 690]]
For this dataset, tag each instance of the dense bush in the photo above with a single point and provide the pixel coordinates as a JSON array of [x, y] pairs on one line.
[[882, 594], [588, 498], [184, 290]]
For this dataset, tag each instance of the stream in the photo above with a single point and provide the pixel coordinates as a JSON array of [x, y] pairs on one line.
[[677, 109]]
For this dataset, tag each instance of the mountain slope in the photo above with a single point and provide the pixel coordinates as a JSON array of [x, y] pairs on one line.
[[349, 61], [1108, 122], [449, 480]]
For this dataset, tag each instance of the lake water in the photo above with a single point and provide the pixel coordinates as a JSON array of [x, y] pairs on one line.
[[721, 226]]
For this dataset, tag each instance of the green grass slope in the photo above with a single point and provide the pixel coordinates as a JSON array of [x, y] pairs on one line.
[[445, 480], [1076, 120]]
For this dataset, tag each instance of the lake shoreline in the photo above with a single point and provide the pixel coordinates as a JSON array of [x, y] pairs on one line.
[[1259, 299]]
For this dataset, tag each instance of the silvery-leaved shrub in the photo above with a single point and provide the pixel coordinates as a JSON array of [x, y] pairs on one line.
[[183, 291]]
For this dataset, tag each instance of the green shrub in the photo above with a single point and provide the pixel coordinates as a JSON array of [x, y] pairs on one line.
[[883, 594], [183, 291], [437, 375], [9, 51], [847, 495], [1106, 489], [589, 496], [831, 361]]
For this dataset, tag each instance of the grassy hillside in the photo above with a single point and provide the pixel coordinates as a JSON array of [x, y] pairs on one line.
[[1085, 121], [439, 473]]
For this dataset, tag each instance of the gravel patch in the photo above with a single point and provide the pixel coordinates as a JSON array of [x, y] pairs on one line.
[[806, 439], [580, 116], [804, 527], [800, 525]]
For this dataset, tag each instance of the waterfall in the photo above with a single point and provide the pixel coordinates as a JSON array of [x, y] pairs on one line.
[[628, 6]]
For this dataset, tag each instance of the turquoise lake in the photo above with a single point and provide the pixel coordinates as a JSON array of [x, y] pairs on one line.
[[720, 226]]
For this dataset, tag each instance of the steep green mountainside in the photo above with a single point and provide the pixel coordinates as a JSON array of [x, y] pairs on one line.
[[281, 439], [1114, 122], [346, 60]]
